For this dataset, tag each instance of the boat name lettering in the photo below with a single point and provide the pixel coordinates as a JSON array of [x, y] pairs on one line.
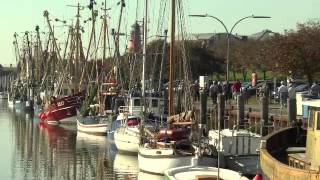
[[61, 103]]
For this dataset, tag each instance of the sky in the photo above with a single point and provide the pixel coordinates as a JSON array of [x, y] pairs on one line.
[[23, 15]]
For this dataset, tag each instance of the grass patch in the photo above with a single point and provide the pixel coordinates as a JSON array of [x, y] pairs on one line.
[[239, 75]]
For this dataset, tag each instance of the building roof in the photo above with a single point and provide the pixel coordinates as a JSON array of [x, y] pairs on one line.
[[265, 34]]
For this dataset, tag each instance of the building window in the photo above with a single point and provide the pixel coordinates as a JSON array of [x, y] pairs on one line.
[[136, 102], [65, 92], [290, 162], [318, 120], [154, 102], [301, 165], [311, 119]]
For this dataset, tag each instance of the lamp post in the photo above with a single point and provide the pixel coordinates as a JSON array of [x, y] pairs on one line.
[[229, 33]]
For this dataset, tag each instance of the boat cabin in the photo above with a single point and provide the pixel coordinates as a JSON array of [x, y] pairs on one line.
[[154, 105], [235, 142], [308, 158], [66, 89], [108, 91], [305, 102]]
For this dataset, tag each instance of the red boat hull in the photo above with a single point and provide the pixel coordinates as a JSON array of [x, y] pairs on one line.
[[63, 110], [173, 134]]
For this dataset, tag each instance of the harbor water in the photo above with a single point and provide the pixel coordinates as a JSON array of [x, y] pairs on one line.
[[33, 150]]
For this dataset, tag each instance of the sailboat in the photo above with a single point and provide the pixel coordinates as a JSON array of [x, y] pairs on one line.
[[170, 148], [202, 172], [139, 103]]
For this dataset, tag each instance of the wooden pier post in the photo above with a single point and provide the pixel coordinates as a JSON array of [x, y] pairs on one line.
[[240, 111], [221, 106], [203, 111], [264, 115], [292, 105]]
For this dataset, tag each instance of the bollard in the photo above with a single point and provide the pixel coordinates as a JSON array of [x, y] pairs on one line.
[[240, 111], [292, 110], [203, 107], [203, 112], [221, 106], [179, 106], [292, 105]]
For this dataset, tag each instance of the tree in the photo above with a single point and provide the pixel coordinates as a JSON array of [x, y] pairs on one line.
[[297, 52]]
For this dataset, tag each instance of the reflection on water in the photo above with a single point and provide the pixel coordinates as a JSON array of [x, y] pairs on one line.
[[40, 151], [126, 165]]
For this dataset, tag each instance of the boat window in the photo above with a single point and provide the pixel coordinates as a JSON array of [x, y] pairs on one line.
[[154, 102], [301, 165], [318, 120], [136, 102], [65, 92], [104, 88], [311, 119], [290, 162]]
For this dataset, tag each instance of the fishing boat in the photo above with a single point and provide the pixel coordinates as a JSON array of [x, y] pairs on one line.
[[99, 106], [3, 95], [93, 118], [292, 152], [93, 125], [63, 110]]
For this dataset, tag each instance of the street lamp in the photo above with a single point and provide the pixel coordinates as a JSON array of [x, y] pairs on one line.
[[229, 33]]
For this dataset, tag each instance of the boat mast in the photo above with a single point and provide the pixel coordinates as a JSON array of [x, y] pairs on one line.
[[144, 57], [29, 65], [145, 29], [105, 32], [46, 15], [77, 41], [171, 60], [16, 47], [164, 50]]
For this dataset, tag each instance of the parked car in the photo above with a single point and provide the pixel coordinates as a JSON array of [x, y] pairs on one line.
[[302, 87], [299, 87]]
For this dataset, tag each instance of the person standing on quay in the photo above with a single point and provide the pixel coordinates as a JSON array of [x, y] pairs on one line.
[[236, 89], [315, 89], [214, 92], [283, 92]]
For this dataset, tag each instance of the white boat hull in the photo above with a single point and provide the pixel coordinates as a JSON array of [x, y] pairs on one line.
[[10, 104], [245, 164], [68, 120], [3, 95], [190, 172], [151, 161], [96, 129], [127, 140]]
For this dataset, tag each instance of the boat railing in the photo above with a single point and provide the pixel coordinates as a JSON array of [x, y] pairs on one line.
[[124, 109], [248, 135]]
